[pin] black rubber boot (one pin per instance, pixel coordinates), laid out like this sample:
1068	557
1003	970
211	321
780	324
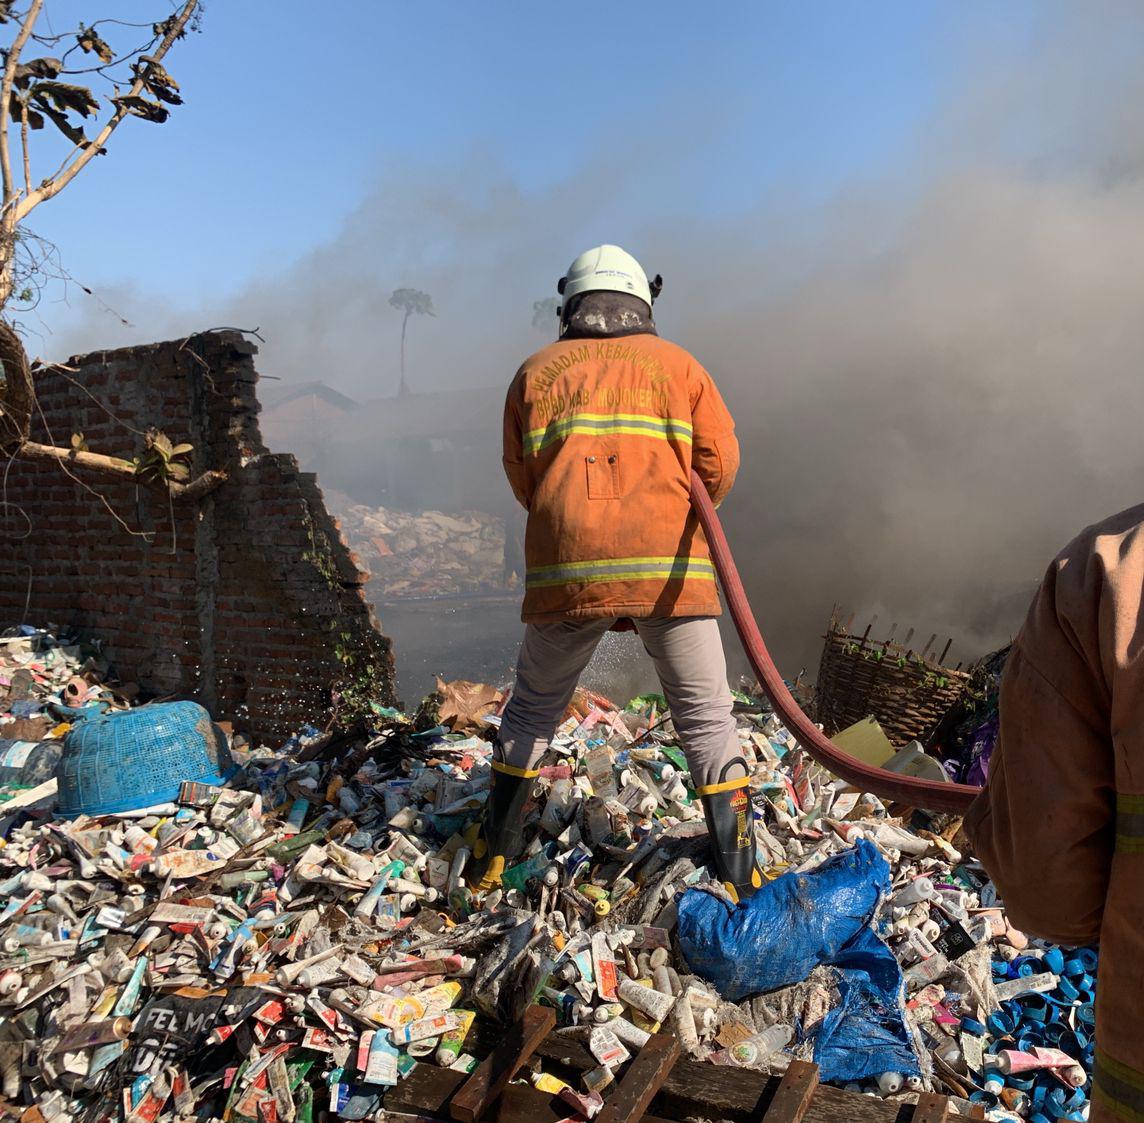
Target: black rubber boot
502	833
727	809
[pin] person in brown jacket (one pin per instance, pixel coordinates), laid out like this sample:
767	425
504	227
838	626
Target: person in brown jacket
601	432
1060	824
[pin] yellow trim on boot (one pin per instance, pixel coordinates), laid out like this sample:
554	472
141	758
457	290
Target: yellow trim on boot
756	884
726	786
492	874
508	770
474	838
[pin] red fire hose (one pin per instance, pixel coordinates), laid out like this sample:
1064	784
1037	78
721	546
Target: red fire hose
930	794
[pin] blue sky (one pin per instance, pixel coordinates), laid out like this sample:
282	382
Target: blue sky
294	113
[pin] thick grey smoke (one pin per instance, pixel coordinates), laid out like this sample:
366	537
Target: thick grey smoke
936	376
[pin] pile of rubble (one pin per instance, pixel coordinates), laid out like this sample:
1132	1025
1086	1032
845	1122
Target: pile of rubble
424	555
45	682
303	937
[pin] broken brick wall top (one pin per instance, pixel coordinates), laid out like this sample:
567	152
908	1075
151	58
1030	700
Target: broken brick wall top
248	599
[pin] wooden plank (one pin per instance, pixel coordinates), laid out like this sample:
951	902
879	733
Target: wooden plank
643	1079
521	1104
931	1109
426	1091
695	1089
794	1093
502	1064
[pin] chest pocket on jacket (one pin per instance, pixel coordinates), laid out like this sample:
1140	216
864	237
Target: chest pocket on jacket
603	476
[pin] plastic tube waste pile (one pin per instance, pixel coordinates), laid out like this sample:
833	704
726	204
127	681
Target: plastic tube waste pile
301	938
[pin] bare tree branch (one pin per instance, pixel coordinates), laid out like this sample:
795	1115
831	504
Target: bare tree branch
12	62
66	160
103	68
198	487
114	466
93	461
24	146
52	40
53	186
87	487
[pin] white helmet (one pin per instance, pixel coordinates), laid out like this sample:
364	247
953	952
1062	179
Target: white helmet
611	269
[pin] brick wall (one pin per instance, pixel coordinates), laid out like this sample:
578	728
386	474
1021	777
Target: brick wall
247	600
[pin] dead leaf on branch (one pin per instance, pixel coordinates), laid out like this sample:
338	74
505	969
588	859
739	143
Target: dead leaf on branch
141	107
37	68
157	81
157	72
91	43
66	97
164	95
75	134
56	99
160	29
19	108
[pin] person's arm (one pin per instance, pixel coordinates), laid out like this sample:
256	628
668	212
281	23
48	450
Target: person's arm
714	449
1044	827
512	456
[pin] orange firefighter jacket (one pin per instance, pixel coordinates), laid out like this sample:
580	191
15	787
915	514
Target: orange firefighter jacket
1060	826
600	437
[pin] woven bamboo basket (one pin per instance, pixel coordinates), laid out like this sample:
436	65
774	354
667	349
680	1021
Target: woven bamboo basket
906	689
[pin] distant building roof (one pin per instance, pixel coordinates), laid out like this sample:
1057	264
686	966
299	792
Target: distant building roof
272	395
437	414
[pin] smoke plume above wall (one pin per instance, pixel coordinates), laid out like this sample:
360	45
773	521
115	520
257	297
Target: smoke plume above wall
935	373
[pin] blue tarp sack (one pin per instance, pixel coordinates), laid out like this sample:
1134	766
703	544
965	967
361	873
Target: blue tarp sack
798	922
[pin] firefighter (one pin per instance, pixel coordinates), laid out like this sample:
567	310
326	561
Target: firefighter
1060	825
601	432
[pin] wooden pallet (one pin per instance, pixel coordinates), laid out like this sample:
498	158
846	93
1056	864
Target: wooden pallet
659	1086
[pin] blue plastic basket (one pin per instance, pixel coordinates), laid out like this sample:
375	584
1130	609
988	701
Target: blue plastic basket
136	758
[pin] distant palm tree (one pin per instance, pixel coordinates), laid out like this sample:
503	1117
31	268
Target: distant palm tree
544	312
409	301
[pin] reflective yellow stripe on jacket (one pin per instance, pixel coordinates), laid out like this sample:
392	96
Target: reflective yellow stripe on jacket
608	424
1130	824
620	569
1118	1088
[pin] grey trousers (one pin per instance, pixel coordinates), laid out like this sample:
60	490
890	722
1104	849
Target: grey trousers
687	653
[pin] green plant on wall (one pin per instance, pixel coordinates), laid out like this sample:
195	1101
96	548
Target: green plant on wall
361	679
319	555
361	684
161	460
